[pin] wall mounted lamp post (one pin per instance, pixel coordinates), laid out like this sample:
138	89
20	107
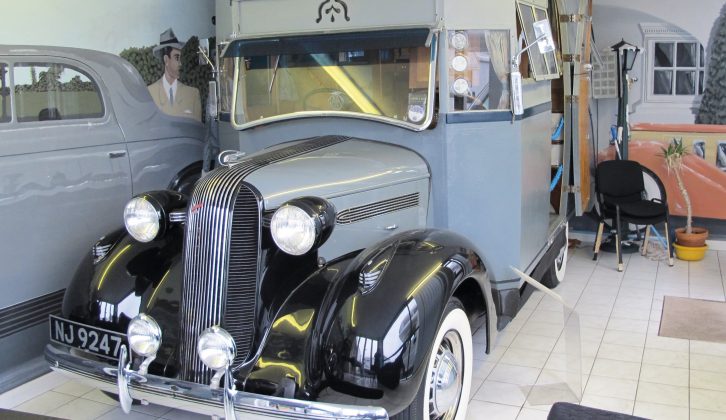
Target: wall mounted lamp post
627	53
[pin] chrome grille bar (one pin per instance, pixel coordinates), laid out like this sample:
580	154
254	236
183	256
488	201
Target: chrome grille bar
207	257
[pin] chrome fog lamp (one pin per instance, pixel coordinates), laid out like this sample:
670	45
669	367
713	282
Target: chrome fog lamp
216	348
144	336
302	224
142	218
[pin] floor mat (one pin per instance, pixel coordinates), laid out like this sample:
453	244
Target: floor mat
693	319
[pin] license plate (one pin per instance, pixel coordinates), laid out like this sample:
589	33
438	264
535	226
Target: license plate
95	340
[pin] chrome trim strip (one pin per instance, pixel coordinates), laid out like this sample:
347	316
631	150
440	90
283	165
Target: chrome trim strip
179	216
356	115
200	398
367	211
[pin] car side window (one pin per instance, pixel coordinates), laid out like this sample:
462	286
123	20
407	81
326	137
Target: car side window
52	91
5	114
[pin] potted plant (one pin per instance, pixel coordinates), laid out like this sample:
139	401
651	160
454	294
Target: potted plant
690	241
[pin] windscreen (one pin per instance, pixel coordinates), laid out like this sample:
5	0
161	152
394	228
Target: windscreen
354	78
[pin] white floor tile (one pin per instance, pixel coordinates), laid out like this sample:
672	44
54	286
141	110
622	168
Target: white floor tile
611	387
518	375
532	414
118	414
708	363
73	388
715	381
81	409
486	410
659	411
188	415
32	389
705	415
676	359
664	375
616	369
606	403
620	352
482	369
44	403
502	393
524	357
708	348
708	400
662	394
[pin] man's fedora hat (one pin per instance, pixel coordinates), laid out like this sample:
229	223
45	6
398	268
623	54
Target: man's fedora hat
167	39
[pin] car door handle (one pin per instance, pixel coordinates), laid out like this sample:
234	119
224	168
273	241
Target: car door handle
114	155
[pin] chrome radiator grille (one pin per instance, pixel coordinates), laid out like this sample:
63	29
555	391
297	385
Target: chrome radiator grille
239	315
221	249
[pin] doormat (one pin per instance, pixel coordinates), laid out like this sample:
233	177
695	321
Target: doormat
693	319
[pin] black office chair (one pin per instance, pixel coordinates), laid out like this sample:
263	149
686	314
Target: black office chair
620	190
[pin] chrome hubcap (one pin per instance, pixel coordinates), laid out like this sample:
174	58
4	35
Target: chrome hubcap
446	378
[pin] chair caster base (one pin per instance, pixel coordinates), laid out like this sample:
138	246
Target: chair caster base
620	267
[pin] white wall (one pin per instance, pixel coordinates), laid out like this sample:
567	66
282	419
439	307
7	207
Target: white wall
104	25
614	20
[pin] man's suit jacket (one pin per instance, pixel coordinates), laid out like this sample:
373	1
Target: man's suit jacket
186	101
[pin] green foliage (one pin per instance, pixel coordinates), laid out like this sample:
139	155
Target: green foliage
144	62
713	103
674	154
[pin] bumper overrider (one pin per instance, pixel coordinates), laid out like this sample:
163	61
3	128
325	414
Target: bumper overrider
195	397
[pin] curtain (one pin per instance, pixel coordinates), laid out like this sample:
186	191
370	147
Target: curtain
498	46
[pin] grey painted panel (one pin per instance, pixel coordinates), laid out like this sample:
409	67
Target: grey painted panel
308	16
155	163
48	198
536	144
359	235
21	347
483	191
358	166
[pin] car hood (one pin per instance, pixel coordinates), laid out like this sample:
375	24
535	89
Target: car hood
348	167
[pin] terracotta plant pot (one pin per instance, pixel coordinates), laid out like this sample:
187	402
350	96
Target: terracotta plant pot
697	238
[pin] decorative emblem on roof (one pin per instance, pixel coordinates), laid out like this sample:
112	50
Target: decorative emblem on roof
332	8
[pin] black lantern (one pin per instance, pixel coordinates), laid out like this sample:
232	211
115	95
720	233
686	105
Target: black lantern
627	53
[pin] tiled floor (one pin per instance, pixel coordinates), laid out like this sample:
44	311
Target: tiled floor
626	366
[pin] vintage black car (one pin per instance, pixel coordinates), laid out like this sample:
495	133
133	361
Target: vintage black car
336	265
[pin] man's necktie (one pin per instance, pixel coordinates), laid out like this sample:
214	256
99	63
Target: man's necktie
171	95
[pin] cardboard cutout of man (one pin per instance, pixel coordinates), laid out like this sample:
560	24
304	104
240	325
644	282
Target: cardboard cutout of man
170	95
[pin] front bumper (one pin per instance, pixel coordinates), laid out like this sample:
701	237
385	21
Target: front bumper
200	398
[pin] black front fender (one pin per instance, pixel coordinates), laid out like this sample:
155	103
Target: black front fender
371	345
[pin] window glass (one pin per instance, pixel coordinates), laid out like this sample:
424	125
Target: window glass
5	114
663	54
478	60
686	54
662	83
677	68
685	83
46	91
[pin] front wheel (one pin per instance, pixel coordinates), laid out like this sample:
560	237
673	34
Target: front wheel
444	392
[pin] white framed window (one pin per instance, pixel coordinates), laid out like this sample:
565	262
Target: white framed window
674	65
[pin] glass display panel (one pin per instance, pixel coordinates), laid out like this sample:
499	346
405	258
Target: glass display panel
543	66
45	91
485	76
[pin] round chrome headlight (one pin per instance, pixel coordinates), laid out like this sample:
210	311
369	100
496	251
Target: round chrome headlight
302	224
144	335
216	348
142	219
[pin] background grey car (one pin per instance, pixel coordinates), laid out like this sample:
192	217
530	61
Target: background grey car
79	136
